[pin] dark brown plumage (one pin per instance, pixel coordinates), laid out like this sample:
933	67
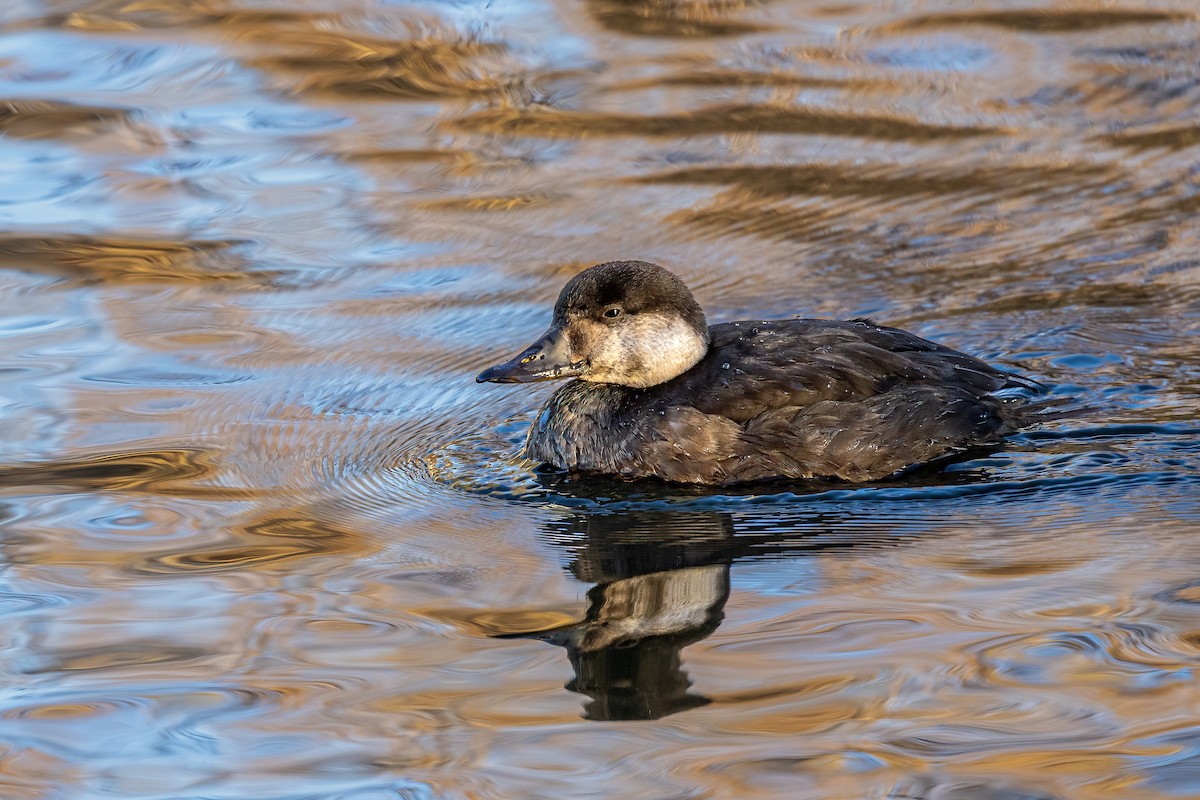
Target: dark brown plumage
747	401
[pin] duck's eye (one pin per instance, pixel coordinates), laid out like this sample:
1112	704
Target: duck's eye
612	313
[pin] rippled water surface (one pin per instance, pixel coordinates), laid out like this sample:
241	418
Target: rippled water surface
263	537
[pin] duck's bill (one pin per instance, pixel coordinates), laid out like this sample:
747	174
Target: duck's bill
547	359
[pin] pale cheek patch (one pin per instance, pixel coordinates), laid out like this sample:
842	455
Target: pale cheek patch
645	350
669	347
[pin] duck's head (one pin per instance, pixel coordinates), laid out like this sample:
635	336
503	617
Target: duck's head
631	323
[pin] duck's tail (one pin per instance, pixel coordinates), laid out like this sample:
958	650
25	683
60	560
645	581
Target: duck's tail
1022	412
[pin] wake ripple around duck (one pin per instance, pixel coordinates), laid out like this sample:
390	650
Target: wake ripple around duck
1039	465
402	449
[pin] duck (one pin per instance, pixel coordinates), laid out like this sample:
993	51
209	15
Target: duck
657	392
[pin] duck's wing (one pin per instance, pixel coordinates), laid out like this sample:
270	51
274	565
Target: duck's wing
806	398
868	439
753	367
949	365
855	440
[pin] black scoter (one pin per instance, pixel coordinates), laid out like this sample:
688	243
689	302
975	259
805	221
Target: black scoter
659	392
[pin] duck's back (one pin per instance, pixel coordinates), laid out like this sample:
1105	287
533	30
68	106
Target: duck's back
787	398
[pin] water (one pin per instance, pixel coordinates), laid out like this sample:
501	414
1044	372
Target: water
263	537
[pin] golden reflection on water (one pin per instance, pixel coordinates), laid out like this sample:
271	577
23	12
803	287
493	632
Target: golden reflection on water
259	544
263	536
114	260
727	119
43	119
687	18
133	471
413	69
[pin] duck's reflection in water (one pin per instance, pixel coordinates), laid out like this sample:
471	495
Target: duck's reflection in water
662	580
